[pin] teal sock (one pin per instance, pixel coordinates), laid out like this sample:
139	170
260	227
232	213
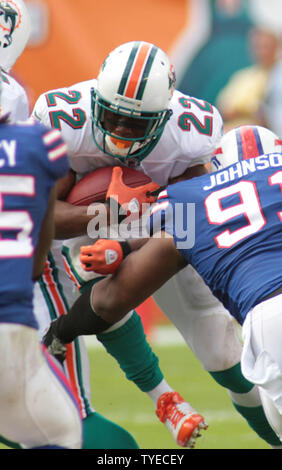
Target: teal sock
101	433
257	421
233	380
129	346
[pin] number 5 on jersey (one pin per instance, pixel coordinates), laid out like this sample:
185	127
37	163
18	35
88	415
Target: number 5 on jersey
17	222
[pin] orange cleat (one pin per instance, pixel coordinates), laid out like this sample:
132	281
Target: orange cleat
180	418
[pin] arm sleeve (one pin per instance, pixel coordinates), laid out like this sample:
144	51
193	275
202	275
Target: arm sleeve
40	112
161	217
176	218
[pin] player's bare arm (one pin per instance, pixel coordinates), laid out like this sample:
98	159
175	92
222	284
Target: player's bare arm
189	173
70	221
45	238
140	275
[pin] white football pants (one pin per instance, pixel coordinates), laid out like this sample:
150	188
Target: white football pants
36	406
262	356
206	326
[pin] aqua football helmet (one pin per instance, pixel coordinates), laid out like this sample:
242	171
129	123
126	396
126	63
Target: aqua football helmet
242	143
134	88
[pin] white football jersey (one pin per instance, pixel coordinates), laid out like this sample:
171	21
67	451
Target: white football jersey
189	137
13	99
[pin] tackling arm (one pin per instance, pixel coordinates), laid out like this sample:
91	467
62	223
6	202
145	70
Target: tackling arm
139	276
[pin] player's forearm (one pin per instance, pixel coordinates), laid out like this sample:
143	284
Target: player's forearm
73	221
45	238
136	244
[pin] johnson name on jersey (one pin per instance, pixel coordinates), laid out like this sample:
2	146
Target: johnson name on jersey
234	217
189	137
32	159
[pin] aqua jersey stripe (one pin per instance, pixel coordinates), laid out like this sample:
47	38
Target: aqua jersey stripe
54	270
87	406
83	397
53	311
46	295
67	257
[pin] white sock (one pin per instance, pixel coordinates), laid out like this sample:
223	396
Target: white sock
249	399
155	394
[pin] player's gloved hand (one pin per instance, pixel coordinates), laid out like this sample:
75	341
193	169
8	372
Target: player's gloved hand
104	256
130	199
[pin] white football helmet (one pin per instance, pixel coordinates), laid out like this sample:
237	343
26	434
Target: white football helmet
15	29
242	143
136	81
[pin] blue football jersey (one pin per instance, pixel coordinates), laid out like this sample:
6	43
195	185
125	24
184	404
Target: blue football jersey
228	226
32	159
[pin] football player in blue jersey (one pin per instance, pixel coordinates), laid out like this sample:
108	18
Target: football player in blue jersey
227	225
37	406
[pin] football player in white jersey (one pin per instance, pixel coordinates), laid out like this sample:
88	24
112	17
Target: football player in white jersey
15	101
131	115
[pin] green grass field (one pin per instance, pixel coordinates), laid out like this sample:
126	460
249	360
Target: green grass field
121	401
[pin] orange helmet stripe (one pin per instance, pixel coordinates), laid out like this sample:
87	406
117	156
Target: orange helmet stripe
136	73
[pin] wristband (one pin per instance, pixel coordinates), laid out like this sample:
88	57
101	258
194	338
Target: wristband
126	249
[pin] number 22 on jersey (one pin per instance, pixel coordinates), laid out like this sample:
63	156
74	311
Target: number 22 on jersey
188	118
78	117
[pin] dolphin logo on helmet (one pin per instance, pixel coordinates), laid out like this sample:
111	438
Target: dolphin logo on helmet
9	18
15	30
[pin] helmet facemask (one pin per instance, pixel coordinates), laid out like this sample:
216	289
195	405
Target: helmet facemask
150	125
130	105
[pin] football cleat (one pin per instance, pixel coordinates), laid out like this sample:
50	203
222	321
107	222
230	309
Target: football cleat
180	418
54	346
